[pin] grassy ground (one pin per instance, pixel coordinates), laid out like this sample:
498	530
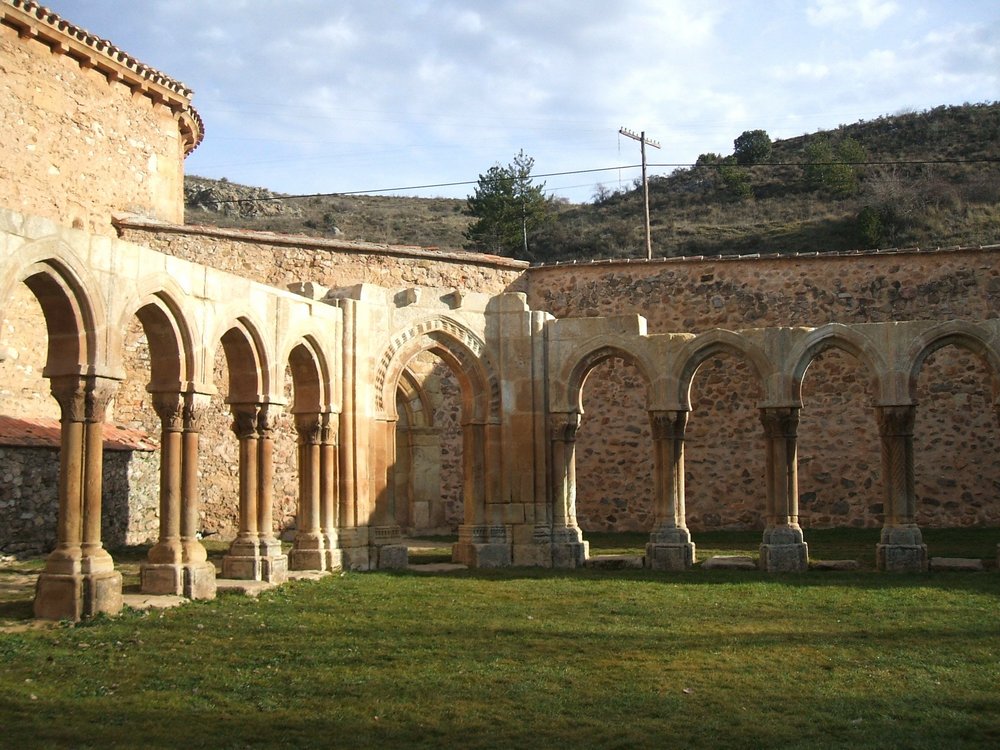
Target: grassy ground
528	658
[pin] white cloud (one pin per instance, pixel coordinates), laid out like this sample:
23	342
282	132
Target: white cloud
870	14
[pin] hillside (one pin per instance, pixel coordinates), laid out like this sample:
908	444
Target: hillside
925	179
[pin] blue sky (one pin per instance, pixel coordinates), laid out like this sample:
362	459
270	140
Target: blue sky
307	96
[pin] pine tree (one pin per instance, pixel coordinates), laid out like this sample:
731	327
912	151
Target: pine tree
507	206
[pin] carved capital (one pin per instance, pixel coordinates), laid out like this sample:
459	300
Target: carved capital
244	424
195	408
780	421
267	419
309	428
563	427
330	428
170	408
83	399
668	425
896	421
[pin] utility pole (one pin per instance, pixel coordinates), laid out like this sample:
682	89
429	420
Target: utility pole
643	142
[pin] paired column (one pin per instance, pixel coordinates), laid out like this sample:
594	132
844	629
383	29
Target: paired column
901	547
255	554
309	550
783	548
670	546
178	563
79	579
568	548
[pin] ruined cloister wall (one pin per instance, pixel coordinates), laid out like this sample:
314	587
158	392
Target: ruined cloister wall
281	260
86	133
956	437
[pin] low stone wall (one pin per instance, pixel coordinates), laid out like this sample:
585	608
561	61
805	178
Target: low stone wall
29	482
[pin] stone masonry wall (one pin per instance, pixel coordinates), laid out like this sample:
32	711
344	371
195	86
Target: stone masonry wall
281	260
77	148
957	442
29	485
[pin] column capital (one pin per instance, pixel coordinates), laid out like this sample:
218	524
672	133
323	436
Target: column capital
329	428
896	420
668	425
563	426
83	398
309	427
780	421
170	409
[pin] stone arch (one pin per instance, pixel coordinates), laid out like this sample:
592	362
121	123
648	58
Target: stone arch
838	336
74	312
463	352
465	355
157	302
579	366
953	333
311	382
696	351
415	401
247	360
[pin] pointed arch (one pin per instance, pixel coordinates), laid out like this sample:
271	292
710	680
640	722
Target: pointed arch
464	353
580	364
310	377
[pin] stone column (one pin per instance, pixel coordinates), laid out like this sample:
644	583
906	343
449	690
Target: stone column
79	579
670	546
901	548
309	549
329	489
255	554
568	548
783	548
199	573
162	572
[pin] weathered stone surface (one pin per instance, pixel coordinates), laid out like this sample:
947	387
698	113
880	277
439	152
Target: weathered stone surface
957	564
729	562
834	565
614	562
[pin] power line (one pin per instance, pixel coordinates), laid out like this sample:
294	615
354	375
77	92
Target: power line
675	165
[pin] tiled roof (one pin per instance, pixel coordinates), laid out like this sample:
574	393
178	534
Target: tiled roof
35	21
44	433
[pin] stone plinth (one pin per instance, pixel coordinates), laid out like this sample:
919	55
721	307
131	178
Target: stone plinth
77	596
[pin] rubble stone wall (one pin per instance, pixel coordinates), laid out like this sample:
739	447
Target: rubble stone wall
29	499
280	260
957	442
77	148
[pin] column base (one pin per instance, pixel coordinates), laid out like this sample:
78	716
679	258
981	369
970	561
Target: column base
901	549
354	552
334	559
161	578
247	562
77	596
570	554
902	558
784	558
199	580
669	556
307	553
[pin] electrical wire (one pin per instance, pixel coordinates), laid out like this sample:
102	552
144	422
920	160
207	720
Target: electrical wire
675	165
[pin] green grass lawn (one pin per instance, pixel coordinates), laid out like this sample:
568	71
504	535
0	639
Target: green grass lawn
528	658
